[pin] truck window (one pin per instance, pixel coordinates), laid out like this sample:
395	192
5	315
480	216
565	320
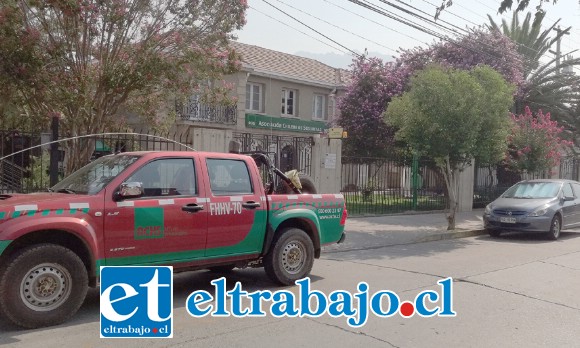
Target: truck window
167	177
229	177
93	177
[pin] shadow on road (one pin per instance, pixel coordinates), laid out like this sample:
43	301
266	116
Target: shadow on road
184	284
531	238
399	251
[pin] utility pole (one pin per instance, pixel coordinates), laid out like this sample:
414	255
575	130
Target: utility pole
558	52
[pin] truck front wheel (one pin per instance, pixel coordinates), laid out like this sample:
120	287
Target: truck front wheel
42	285
290	258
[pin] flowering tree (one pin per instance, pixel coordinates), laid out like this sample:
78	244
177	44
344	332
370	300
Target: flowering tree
92	62
454	116
374	83
534	143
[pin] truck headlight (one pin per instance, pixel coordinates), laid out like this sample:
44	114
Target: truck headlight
539	212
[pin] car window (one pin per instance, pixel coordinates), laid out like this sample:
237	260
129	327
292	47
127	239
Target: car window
229	177
567	190
576	188
530	190
167	177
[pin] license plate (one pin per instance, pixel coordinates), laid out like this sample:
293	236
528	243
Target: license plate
509	220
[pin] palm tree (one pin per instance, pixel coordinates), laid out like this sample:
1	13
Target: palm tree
548	86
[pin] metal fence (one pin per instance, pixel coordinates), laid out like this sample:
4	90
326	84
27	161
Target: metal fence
286	152
491	181
391	185
196	110
30	170
23	171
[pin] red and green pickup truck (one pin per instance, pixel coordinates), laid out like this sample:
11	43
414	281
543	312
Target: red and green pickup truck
192	210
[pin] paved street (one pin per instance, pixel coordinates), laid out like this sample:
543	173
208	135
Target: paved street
514	291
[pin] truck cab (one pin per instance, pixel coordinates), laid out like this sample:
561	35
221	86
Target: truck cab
191	210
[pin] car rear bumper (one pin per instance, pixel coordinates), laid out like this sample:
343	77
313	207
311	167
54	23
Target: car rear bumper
523	223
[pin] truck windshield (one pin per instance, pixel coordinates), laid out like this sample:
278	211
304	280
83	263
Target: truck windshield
93	177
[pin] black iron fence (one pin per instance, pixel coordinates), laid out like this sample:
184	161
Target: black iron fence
286	152
26	167
391	185
196	110
491	181
23	171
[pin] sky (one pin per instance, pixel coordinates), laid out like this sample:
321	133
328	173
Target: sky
356	28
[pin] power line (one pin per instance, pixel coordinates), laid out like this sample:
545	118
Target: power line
480	16
298	30
375	22
311	28
384	12
517	43
425	19
336	26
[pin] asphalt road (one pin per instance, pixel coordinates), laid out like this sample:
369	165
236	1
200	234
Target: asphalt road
519	291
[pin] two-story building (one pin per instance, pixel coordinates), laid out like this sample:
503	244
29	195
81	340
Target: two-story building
284	103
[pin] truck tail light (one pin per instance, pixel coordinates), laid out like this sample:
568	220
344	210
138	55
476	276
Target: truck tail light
344	215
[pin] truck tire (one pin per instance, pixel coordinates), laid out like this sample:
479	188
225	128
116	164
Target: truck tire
291	256
305	180
42	285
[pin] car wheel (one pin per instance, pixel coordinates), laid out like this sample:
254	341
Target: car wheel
42	285
493	233
290	258
555	228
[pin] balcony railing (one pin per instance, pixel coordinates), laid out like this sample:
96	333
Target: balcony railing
195	110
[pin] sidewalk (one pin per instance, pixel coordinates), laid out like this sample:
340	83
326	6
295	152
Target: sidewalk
380	231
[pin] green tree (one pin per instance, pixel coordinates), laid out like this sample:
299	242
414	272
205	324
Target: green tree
454	116
547	87
93	62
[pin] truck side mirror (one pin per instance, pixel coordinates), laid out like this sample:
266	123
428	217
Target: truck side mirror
130	190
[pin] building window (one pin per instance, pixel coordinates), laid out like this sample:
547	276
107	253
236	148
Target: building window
318	107
288	102
254	97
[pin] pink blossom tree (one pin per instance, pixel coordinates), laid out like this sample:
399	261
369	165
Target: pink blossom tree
374	83
94	62
534	143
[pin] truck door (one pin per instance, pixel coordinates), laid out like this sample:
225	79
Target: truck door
168	223
237	213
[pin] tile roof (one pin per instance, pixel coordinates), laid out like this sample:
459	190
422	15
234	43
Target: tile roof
263	60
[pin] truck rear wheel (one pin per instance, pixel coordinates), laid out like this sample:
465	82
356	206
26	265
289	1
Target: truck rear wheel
290	258
42	285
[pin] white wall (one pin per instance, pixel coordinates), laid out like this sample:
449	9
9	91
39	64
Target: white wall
327	180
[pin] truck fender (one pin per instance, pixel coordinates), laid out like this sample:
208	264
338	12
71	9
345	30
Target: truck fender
305	215
79	227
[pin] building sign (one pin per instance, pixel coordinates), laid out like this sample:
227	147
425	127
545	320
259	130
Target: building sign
284	124
335	133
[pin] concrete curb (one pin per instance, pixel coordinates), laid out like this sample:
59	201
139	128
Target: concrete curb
452	235
431	238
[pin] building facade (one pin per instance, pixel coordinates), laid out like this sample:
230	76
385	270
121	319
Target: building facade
285	104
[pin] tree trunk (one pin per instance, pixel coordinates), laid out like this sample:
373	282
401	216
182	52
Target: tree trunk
77	154
451	176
